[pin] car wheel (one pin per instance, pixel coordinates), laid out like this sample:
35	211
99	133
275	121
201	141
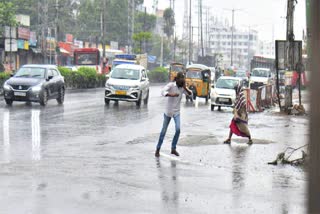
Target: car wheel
145	101
138	103
207	98
106	101
219	108
60	98
8	102
44	98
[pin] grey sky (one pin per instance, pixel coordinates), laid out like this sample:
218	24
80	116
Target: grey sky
263	15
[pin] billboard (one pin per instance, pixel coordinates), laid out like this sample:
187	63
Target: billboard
11	45
23	33
287	58
8	34
23	20
33	39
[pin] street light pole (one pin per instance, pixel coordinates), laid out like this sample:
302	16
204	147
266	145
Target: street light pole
190	31
232	32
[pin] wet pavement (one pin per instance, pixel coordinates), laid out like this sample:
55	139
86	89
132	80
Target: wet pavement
85	157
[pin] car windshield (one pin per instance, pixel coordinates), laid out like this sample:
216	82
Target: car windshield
31	72
177	68
125	73
87	59
227	83
194	74
241	74
260	73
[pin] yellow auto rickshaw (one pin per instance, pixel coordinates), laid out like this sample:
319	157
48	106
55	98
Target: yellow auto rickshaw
198	80
174	69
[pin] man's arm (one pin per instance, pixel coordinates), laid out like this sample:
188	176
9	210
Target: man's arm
166	89
187	90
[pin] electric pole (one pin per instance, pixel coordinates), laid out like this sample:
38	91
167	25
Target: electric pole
56	31
201	29
103	34
314	146
190	31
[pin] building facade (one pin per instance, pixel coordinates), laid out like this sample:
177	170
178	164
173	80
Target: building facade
245	45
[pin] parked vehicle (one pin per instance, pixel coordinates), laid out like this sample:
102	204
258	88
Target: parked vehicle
134	59
243	75
35	83
198	79
127	83
89	57
260	77
223	92
174	69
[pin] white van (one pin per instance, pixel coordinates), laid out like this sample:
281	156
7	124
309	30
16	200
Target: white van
260	77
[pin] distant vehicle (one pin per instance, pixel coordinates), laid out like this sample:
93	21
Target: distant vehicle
198	79
133	59
174	69
223	93
127	83
260	77
243	75
89	57
35	83
263	62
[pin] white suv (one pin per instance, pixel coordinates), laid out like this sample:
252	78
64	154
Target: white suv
223	93
129	83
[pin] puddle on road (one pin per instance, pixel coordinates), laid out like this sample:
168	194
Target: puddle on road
195	140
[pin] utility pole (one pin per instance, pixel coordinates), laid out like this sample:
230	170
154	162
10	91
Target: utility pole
56	31
131	11
314	146
232	32
201	30
190	31
290	39
103	34
144	29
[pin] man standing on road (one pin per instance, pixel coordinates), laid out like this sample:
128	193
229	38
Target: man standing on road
173	91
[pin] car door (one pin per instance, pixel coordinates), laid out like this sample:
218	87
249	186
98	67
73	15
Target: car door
50	83
144	83
57	81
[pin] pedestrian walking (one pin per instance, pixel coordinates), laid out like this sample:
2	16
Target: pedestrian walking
173	91
239	122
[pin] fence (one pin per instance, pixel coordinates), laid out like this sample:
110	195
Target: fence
260	99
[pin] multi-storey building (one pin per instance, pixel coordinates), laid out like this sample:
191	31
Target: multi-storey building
245	45
267	49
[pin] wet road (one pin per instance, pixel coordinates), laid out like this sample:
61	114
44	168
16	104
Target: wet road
84	157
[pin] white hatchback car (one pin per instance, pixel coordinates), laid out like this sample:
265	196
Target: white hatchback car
129	83
223	93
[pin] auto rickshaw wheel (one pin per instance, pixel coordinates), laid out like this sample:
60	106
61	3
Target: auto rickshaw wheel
212	107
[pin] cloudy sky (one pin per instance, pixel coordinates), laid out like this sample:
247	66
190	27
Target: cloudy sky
263	15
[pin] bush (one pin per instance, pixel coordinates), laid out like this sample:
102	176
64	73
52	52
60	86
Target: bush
3	77
159	75
83	78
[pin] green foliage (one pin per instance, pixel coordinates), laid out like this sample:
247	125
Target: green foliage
169	22
83	78
7	14
158	75
3	77
156	49
139	38
144	22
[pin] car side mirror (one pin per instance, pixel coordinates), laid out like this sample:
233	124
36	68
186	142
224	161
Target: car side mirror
50	77
212	86
11	75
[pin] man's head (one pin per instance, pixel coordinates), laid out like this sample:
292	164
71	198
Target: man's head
180	79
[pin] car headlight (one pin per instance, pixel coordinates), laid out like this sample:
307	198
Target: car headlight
108	85
6	86
37	88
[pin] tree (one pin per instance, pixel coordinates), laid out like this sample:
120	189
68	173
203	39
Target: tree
156	48
7	14
139	38
169	22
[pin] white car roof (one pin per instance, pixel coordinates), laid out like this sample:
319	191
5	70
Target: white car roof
130	66
230	78
263	69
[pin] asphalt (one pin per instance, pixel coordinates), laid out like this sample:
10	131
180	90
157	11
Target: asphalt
85	157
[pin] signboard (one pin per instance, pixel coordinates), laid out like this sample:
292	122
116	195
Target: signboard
13	33
12	43
33	39
69	38
114	45
287	58
23	33
78	43
51	44
23	44
24	20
